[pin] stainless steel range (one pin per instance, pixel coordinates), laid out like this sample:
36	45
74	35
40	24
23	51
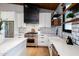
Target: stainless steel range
32	38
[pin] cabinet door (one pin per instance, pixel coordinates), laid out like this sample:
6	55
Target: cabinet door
41	19
8	15
45	19
42	41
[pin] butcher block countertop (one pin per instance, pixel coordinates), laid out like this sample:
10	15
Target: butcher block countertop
62	48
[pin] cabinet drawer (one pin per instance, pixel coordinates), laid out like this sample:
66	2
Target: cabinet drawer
42	40
43	43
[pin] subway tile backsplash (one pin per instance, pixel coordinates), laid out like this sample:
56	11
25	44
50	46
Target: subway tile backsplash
75	33
51	31
47	30
77	42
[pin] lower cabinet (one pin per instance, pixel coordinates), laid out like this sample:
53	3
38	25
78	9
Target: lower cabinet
42	40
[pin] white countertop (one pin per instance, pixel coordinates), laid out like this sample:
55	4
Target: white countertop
63	48
9	44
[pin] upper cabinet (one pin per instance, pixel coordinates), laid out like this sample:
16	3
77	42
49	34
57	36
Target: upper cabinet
8	15
45	19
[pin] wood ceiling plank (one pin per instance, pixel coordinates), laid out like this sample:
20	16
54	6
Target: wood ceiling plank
50	6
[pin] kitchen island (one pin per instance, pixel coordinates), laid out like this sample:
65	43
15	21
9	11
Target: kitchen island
13	47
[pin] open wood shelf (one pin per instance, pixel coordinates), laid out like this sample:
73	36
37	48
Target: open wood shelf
73	21
76	21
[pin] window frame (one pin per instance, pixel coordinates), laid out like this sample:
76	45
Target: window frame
63	26
64	30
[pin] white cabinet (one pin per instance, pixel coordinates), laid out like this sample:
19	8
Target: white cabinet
45	19
42	40
13	47
8	15
20	19
17	51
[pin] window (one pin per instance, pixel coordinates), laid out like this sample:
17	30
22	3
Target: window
67	27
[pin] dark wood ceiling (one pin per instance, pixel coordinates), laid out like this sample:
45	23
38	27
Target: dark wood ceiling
50	6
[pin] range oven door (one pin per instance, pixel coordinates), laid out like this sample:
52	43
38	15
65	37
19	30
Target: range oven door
31	42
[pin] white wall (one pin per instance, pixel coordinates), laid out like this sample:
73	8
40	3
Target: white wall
44	19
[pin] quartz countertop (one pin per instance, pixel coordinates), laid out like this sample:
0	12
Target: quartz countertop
9	44
63	48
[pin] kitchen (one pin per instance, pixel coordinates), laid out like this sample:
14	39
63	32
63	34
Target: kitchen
43	27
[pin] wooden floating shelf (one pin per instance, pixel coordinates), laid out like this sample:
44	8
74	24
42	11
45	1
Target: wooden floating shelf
76	21
73	21
72	7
